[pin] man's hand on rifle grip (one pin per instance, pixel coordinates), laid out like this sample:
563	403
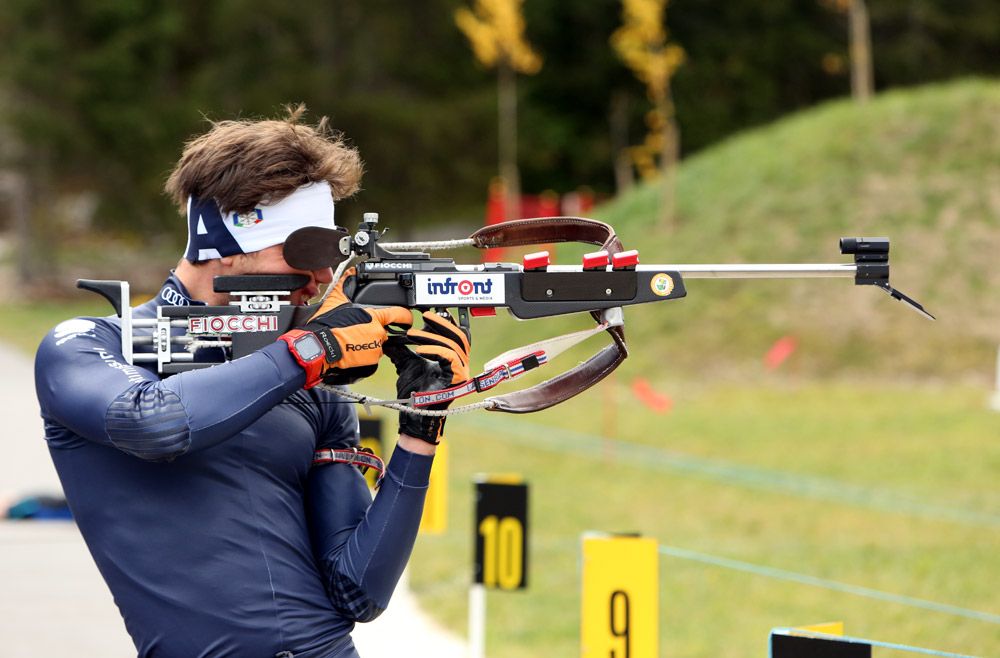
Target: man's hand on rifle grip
439	359
342	343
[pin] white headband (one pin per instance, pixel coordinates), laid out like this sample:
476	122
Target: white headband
212	234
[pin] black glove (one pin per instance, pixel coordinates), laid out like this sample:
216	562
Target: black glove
439	360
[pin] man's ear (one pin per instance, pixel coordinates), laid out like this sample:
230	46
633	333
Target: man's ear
227	261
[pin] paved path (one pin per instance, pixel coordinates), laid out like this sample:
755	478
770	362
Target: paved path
53	601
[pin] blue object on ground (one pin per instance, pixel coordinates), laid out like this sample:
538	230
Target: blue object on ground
40	507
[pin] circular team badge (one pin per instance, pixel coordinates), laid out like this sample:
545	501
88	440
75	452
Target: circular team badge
662	285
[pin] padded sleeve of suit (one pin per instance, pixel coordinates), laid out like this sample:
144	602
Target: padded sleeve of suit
362	545
84	383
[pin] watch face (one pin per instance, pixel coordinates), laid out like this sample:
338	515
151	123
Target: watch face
308	347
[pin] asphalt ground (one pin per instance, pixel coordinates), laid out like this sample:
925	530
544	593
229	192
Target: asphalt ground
53	601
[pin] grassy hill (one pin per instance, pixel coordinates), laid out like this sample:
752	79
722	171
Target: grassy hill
921	166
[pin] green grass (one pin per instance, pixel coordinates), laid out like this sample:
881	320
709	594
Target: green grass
893	489
23	325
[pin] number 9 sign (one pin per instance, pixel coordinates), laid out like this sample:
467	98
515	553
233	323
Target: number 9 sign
620	603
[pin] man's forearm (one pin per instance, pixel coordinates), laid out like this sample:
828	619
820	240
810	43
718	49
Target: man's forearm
417	446
86	385
364	554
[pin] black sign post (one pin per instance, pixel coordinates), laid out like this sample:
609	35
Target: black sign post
501	541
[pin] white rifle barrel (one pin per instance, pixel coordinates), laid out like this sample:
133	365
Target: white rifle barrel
716	271
739	271
761	271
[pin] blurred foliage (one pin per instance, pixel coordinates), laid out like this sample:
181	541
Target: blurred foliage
102	93
495	29
641	42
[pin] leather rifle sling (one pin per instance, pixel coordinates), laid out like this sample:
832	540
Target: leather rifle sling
547	230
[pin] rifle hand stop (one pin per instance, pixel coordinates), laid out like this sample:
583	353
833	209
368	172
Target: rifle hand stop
871	256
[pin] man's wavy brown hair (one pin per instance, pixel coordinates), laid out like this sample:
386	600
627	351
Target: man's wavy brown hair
242	163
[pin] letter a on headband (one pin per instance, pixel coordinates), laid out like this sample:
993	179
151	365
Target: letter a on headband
214	232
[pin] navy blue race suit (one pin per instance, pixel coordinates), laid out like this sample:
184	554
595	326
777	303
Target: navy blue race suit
196	497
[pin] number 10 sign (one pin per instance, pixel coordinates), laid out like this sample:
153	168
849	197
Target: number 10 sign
501	533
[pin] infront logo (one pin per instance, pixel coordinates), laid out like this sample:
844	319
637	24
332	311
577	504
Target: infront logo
463	286
459	289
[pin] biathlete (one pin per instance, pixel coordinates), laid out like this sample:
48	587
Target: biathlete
197	494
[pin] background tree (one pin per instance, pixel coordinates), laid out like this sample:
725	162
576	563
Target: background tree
641	42
860	46
100	96
495	28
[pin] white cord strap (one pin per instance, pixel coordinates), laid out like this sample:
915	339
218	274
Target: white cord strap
548	348
484	382
435	245
403	405
507	366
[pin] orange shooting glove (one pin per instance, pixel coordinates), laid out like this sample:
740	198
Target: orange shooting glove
342	343
439	360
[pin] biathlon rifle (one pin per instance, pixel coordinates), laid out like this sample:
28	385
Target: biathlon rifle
405	274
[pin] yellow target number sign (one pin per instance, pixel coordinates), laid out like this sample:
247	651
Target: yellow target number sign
371	437
620	602
434	519
501	541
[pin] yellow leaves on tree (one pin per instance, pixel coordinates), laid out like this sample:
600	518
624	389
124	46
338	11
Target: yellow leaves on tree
495	29
641	42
